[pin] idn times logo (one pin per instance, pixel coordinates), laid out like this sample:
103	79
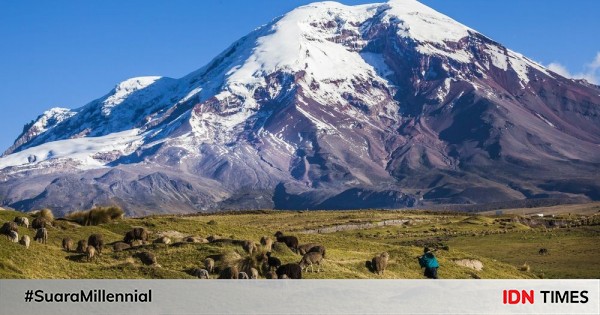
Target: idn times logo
548	296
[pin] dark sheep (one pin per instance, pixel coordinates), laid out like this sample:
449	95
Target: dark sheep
243	275
305	248
200	273
290	241
82	246
229	273
318	249
8	227
120	246
543	251
97	241
39	223
136	234
273	262
311	259
147	258
41	235
292	271
67	244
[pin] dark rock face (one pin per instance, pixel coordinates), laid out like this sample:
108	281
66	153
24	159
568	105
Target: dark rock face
456	121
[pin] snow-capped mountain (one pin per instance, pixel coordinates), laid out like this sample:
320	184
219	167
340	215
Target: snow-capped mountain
327	107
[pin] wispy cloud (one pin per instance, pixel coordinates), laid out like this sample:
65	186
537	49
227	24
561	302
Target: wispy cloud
591	71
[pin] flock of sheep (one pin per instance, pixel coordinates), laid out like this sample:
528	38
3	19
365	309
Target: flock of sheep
260	262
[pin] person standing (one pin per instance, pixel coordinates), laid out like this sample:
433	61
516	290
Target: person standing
429	262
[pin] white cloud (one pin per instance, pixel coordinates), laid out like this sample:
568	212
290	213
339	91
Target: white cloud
591	71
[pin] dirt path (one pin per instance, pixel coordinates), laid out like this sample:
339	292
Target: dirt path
356	226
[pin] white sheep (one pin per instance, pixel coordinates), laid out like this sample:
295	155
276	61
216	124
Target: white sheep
25	241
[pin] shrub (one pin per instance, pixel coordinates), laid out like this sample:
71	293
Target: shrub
44	213
97	215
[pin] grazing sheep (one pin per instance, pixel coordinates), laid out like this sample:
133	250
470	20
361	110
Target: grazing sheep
290	241
291	271
81	246
163	240
147	258
25	241
543	251
120	246
39	223
379	263
311	259
318	249
305	248
8	227
243	275
41	235
97	241
67	244
273	262
13	236
90	252
136	234
22	221
200	273
267	243
271	275
209	264
253	273
249	247
229	273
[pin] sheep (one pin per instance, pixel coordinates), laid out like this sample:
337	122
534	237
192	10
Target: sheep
25	241
209	264
305	248
82	246
290	241
273	262
253	273
163	240
120	246
67	244
249	247
267	243
243	275
41	235
39	223
22	221
8	227
310	259
97	241
13	236
90	252
200	273
318	249
291	271
229	273
379	263
136	234
271	275
147	258
543	251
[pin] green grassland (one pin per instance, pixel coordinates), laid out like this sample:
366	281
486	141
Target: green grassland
503	246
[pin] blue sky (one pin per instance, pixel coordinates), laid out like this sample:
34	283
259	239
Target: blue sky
67	53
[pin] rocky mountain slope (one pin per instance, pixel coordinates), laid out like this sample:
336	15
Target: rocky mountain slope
327	107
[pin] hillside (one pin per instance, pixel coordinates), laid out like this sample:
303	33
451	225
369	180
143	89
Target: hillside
502	244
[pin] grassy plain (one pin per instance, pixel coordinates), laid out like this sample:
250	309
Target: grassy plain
502	244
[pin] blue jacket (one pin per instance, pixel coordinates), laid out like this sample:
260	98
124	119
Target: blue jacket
428	261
